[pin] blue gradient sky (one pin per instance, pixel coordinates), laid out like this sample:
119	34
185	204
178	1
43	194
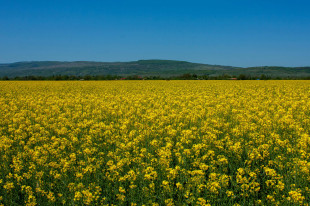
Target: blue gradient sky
226	32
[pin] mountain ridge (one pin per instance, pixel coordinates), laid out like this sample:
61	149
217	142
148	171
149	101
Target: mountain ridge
151	67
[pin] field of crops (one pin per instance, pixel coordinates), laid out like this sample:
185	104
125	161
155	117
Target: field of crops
155	143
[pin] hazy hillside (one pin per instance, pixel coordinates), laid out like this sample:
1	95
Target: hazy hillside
162	68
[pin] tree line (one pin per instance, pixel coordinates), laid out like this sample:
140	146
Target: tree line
137	77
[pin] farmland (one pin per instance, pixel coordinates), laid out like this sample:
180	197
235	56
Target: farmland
155	143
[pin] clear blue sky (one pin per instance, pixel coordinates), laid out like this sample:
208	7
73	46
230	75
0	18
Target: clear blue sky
226	32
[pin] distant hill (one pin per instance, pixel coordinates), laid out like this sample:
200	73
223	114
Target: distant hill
164	68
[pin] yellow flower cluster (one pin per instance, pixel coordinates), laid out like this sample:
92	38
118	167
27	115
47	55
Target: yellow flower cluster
155	143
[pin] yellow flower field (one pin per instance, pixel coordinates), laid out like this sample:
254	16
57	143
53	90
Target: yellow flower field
155	143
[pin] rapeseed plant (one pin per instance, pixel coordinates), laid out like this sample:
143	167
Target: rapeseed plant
155	143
